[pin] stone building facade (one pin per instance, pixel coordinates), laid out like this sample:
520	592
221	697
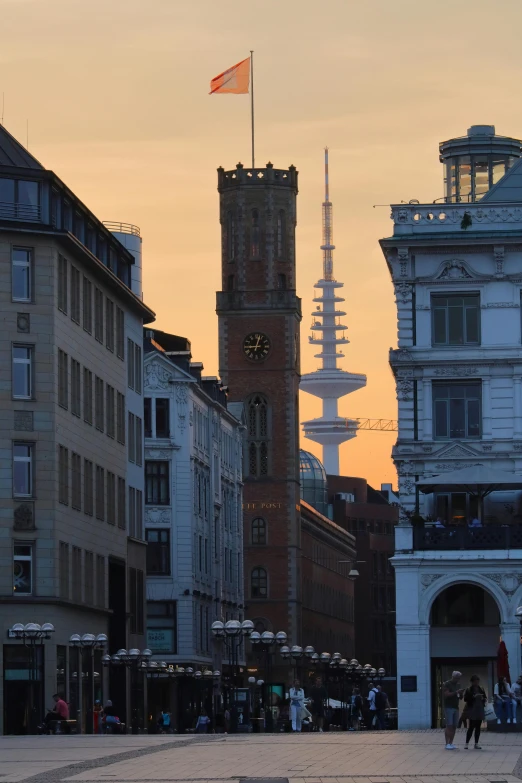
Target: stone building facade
455	268
70	383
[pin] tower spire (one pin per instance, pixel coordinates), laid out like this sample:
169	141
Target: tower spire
329	382
327	247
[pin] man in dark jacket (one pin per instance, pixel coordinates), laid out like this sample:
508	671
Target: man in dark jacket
318	696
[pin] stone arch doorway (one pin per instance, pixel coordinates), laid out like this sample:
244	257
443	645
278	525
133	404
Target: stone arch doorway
465	629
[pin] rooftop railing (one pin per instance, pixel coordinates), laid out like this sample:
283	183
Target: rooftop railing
455	218
11	211
122	228
493	536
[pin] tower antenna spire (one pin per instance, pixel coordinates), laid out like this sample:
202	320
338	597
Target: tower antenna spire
327	247
329	382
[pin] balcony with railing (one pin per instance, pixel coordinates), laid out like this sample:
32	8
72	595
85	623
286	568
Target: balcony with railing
492	536
464	219
26	212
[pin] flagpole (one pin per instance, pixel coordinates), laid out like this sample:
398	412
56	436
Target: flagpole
252	105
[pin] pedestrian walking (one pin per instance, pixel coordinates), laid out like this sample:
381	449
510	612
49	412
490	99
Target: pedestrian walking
504	698
318	696
296	705
355	706
98	717
451	695
203	722
378	705
475	700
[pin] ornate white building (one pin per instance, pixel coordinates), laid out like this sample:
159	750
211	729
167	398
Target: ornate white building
193	503
456	267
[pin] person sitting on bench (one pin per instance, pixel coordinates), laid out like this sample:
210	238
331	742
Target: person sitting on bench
59	713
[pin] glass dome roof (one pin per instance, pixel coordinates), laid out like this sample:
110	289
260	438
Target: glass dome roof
313	482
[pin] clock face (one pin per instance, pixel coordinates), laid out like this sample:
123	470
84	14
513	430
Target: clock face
256	346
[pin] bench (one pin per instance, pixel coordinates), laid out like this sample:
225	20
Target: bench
68	726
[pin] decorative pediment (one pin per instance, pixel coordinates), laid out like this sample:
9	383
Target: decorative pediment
454	269
160	373
456	451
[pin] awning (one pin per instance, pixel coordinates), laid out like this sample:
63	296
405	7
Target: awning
478	480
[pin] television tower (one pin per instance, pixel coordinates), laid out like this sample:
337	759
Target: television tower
329	382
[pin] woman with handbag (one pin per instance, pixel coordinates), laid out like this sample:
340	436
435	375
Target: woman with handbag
475	700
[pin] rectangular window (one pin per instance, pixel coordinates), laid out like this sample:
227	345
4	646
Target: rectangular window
130	363
158	552
131	430
139	442
98	404
162	418
63	475
75	295
22	470
63	379
457	409
89	578
120	418
100	493
111	498
76	382
22	372
455	319
122	520
147	412
64	570
98	315
21	275
22	568
140	601
88	487
100	580
120	333
133	589
87	395
161	626
77	574
87	305
132	512
137	369
110	402
62	284
76	481
139	514
157	484
109	324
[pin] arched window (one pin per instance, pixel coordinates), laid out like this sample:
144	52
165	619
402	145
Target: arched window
259	583
281	235
255	234
231	237
258	436
259	531
281	282
230	283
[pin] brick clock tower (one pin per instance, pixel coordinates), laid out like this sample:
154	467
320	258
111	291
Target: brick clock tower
259	315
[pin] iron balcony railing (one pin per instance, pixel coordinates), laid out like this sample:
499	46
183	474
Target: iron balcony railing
10	211
487	537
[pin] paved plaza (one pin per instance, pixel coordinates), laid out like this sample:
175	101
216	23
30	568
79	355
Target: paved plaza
359	757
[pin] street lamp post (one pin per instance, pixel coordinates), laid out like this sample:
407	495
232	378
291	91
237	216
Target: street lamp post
263	645
231	634
135	661
90	642
33	636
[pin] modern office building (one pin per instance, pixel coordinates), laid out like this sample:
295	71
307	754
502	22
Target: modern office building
193	510
71	442
456	268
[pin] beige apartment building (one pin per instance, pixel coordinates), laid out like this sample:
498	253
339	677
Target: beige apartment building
71	444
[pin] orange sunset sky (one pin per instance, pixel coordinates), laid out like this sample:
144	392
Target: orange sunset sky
116	94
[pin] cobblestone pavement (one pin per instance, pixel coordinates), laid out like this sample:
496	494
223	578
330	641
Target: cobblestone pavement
358	757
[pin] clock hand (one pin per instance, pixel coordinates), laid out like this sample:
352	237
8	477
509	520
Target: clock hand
258	341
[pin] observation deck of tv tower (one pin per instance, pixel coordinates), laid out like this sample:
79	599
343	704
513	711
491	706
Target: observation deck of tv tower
330	382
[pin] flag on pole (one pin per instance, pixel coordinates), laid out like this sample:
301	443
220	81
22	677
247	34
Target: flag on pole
234	80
